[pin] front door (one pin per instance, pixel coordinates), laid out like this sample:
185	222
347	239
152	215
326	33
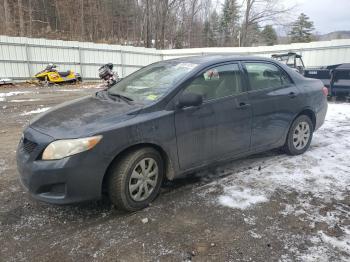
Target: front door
221	126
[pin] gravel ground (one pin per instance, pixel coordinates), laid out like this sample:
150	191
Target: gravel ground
268	207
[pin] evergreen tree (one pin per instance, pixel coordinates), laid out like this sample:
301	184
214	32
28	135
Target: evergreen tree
302	29
269	35
229	23
215	28
207	33
211	30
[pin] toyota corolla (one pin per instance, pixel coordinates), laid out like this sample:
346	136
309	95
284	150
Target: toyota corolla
164	121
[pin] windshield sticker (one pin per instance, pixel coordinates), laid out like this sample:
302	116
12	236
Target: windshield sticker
211	74
189	66
152	97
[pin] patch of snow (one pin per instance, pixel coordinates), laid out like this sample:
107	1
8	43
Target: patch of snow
69	90
14	93
2	166
241	198
322	171
341	243
255	235
144	220
24	100
318	252
320	175
250	220
36	111
94	86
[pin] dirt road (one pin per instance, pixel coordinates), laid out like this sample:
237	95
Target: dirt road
269	207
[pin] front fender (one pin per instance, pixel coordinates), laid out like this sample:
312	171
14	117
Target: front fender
154	129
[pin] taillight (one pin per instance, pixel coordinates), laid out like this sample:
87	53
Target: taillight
325	91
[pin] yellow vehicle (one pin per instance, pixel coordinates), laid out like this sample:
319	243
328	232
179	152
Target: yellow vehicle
51	76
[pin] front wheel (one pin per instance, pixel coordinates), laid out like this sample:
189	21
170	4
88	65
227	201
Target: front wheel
299	136
135	179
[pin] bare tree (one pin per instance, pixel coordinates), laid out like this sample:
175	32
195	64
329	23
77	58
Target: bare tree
258	11
150	23
21	18
7	16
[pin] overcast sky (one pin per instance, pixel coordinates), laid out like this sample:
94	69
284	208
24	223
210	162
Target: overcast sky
327	15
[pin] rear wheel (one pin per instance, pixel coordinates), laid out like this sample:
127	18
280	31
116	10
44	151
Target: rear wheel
299	136
135	179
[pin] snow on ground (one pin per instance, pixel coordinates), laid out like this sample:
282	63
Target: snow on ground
238	197
2	166
69	90
323	172
7	94
36	111
24	100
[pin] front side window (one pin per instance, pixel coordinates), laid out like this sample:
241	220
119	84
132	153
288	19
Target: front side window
264	75
153	81
217	82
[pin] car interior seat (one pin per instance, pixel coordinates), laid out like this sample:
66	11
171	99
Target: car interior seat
230	85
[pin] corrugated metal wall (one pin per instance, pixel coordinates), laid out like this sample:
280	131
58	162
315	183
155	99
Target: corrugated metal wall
21	58
314	54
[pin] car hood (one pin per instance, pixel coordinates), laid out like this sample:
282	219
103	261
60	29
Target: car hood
83	117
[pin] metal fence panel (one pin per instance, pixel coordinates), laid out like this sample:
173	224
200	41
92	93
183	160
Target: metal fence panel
21	57
321	53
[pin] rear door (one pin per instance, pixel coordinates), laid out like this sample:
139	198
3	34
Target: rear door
275	101
221	126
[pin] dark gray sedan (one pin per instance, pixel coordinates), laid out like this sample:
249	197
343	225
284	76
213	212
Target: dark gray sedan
164	121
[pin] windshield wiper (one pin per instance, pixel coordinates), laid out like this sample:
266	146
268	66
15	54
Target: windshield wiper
122	97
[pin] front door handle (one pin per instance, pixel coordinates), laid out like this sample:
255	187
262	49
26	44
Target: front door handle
243	105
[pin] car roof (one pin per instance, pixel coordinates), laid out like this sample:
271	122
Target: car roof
217	58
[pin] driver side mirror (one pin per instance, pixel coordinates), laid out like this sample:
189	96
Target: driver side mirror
189	99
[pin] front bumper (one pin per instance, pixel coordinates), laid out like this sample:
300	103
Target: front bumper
73	179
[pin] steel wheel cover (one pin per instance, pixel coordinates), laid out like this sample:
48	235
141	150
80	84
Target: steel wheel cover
301	135
143	179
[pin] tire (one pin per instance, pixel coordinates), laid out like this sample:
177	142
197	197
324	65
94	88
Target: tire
299	136
129	176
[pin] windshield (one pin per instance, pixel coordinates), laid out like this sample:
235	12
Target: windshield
151	82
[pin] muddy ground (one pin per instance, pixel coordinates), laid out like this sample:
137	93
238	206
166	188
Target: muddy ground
201	218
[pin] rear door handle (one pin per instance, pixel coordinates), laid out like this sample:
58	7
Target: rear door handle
292	94
243	105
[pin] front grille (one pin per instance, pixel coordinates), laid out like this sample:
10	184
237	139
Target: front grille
28	146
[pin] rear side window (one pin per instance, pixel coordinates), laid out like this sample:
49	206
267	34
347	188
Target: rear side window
264	75
217	82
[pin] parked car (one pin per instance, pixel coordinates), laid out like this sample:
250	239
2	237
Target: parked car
164	121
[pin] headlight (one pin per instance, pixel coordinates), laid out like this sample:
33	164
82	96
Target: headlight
63	148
